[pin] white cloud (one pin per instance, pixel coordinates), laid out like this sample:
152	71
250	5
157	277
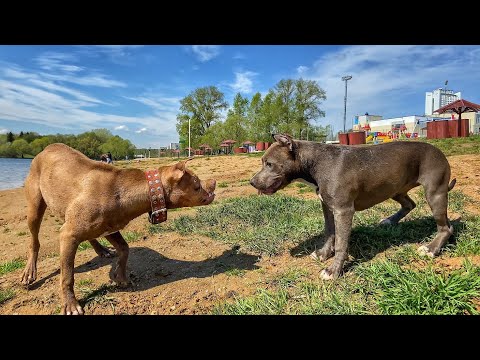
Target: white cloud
390	80
3	131
206	52
121	127
302	69
141	130
99	80
56	61
243	82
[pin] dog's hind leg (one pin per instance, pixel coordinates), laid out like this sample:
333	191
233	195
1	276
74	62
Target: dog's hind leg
437	198
119	274
407	205
101	250
328	249
36	209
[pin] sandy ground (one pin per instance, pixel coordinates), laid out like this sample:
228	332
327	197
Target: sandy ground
170	274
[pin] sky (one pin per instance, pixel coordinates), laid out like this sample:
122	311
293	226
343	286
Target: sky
135	91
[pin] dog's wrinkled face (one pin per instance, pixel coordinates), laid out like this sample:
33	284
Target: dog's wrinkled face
186	189
278	166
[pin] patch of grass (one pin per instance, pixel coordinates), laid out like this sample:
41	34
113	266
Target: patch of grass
223	184
456	146
289	278
132	236
10	266
6	230
300	185
86	244
467	236
399	290
263	224
22	233
308	189
235	272
256	154
457	201
84	282
6	294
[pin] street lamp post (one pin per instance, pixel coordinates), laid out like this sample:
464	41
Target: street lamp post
188	137
345	78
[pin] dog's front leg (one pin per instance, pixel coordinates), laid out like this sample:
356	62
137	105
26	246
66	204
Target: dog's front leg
328	249
343	226
68	248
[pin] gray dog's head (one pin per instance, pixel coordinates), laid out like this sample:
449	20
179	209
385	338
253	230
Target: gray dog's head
279	166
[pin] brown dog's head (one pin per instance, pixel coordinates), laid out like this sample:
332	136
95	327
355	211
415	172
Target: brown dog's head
185	189
278	166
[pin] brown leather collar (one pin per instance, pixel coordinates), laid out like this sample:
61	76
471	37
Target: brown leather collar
156	195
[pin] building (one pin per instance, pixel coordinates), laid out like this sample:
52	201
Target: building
440	97
174	146
360	121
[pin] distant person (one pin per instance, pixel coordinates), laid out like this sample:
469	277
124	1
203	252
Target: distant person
109	158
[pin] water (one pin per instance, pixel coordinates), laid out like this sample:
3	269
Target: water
13	172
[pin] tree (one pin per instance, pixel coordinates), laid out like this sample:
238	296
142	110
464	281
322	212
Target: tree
88	144
203	107
39	144
20	147
102	134
10	137
118	147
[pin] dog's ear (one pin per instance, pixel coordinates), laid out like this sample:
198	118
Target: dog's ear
284	140
181	166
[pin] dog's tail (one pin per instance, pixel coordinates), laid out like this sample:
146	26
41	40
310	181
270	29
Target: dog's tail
452	184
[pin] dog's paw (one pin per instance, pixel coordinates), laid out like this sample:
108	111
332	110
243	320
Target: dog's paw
326	275
29	275
425	251
106	253
72	307
386	221
314	255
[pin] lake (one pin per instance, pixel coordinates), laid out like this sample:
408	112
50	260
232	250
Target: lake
13	172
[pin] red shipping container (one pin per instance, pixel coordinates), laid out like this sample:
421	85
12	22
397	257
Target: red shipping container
260	146
356	138
343	138
431	130
442	129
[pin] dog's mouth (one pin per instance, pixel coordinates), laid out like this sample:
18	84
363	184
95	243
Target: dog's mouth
272	188
209	198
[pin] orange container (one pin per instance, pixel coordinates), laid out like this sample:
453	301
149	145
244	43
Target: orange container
260	146
442	129
343	138
267	145
356	138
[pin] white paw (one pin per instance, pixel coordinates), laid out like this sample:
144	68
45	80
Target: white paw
423	251
314	255
385	222
325	275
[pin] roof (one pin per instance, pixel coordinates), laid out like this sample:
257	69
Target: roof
459	106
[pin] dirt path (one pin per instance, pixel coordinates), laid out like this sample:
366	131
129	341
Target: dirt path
171	274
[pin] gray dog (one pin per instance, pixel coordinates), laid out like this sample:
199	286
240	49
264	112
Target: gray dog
354	178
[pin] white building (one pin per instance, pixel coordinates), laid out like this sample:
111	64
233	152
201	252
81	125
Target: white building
440	97
174	146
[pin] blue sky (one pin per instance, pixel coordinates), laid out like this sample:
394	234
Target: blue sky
134	91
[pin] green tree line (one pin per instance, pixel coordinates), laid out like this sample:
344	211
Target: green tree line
292	106
92	144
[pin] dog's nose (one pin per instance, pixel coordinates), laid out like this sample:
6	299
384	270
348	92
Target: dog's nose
251	182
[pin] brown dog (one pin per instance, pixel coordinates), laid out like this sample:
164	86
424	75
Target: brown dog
96	199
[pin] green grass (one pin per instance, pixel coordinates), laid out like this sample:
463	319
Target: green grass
456	146
98	296
22	233
399	290
467	235
263	224
10	266
381	287
235	272
5	295
223	184
129	236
